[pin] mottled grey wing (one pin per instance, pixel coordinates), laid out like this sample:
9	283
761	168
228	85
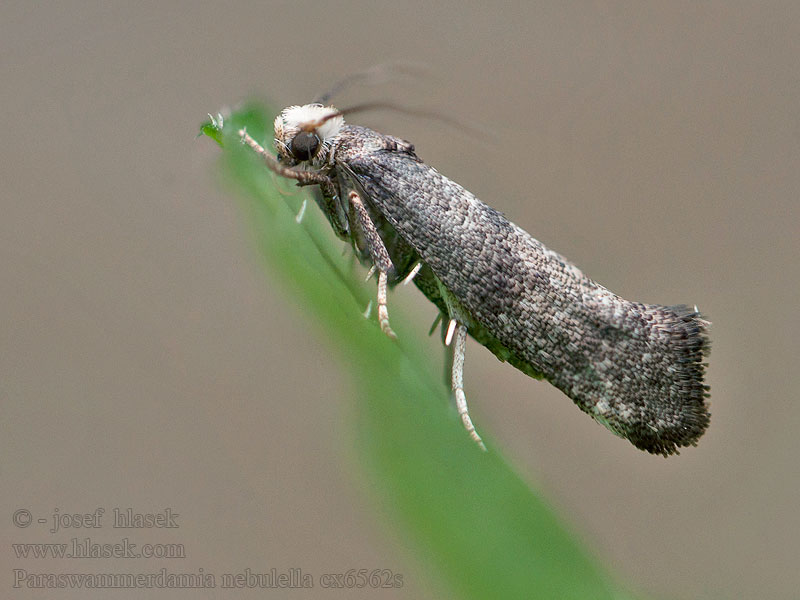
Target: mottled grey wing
636	368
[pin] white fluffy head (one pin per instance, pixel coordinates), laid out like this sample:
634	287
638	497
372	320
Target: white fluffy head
323	121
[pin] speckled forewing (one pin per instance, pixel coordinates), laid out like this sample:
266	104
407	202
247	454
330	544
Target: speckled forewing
636	368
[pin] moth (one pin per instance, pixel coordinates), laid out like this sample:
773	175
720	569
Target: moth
636	368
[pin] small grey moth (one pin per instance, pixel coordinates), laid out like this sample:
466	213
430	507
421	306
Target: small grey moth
636	368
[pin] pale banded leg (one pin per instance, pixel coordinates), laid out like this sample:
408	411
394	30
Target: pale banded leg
380	258
383	312
459	348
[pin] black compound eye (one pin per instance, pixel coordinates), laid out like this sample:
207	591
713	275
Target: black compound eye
304	145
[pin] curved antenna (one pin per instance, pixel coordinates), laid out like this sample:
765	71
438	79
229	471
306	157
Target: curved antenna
477	132
373	76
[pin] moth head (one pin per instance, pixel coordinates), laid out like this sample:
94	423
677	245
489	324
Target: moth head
305	133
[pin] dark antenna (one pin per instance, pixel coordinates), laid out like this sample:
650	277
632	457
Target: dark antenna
461	126
376	75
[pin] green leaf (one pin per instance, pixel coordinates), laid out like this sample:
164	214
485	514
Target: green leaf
473	521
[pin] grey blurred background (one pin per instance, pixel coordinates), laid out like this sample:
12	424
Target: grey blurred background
147	361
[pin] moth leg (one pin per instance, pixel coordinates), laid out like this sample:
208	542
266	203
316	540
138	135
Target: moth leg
383	312
413	273
434	324
301	213
380	258
302	177
328	201
459	348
